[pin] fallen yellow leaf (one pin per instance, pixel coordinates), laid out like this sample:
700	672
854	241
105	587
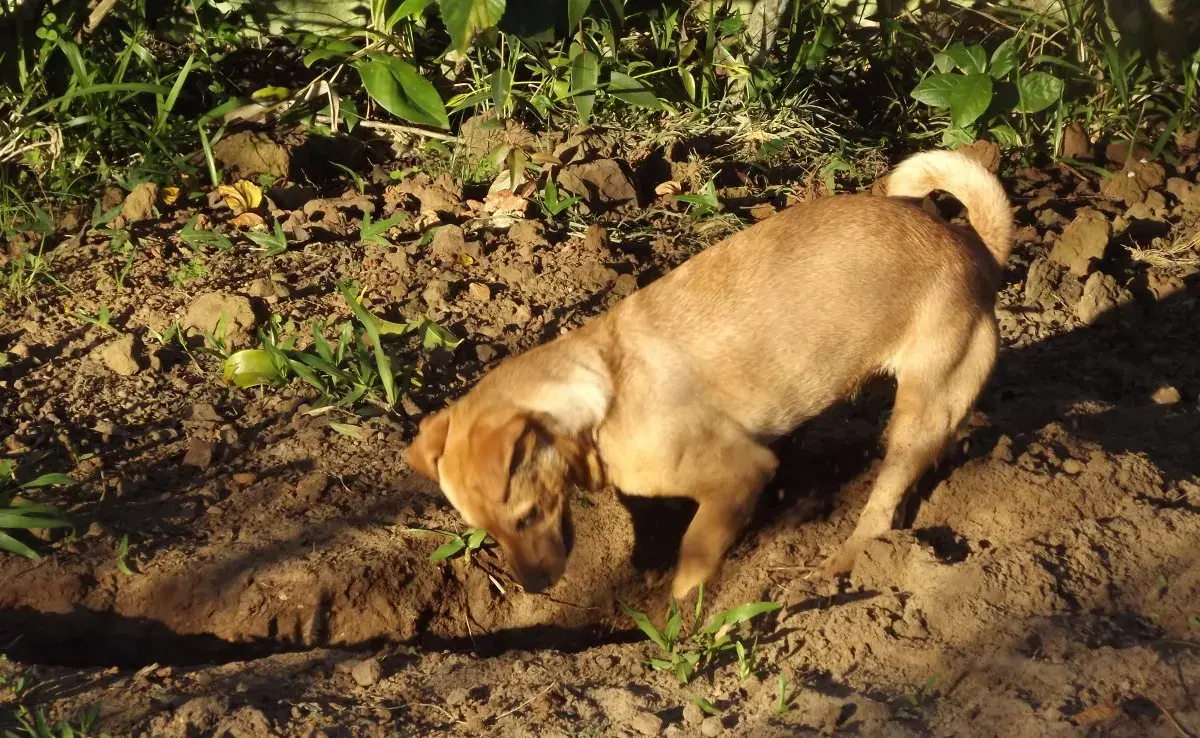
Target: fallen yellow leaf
170	194
241	196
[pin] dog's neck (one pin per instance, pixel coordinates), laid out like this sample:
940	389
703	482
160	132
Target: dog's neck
568	380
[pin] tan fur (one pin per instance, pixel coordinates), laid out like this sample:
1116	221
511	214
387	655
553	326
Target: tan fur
679	388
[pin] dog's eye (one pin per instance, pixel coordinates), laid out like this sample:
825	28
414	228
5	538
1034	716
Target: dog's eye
527	519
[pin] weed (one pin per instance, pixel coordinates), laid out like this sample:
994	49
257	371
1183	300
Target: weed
469	540
273	243
705	705
918	697
704	203
372	231
17	514
35	724
200	238
782	703
100	319
552	203
190	270
684	657
123	556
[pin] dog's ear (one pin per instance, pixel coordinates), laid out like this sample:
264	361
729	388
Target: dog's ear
493	442
429	444
583	460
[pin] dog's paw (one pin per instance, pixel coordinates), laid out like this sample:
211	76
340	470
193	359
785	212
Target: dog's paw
842	561
689	577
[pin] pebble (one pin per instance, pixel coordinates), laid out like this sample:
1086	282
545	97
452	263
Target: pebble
480	291
199	453
457	696
692	714
647	723
1072	466
485	353
1166	395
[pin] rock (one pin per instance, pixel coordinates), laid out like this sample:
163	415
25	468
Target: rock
207	310
440	196
458	696
252	152
1075	143
692	714
1084	239
118	356
1101	294
366	673
244	478
647	723
1166	395
596	238
480	291
435	293
485	353
601	182
449	245
139	204
268	288
199	453
711	727
1073	466
311	487
1131	184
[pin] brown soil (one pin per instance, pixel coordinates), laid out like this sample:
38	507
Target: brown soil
1046	582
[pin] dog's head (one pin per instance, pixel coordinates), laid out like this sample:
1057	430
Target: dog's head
508	471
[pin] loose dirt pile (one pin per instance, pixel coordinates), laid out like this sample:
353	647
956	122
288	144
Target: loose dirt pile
1046	583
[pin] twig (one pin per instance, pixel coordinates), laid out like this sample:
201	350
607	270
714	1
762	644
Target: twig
449	715
1171	719
530	701
397	128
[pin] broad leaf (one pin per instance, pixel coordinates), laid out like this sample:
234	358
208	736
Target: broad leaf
1004	58
1037	91
476	537
250	368
705	705
576	10
402	91
967	96
1005	135
501	84
937	90
953	138
464	18
585	71
626	88
739	614
970	59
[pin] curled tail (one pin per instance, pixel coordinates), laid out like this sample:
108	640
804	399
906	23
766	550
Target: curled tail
975	187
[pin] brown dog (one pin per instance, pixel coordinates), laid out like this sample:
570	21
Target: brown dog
677	390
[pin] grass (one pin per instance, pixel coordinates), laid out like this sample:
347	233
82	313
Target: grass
683	657
19	515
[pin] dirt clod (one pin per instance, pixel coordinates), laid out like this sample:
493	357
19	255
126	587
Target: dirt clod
207	311
692	714
139	205
1082	241
1101	294
712	727
1075	143
647	723
366	673
601	182
118	355
199	453
250	153
458	696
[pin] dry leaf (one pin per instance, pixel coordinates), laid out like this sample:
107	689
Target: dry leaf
543	158
427	219
1097	713
504	201
169	195
247	221
670	187
241	196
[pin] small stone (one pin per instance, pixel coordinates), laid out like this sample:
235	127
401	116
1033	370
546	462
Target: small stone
206	312
435	293
1083	240
711	727
601	182
485	353
252	152
480	291
139	205
1075	143
244	478
267	288
199	453
1166	395
1072	466
1185	192
647	723
117	355
458	696
596	238
367	673
311	487
1101	294
692	714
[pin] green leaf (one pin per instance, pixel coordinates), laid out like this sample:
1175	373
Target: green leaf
705	705
123	555
347	429
448	549
1005	135
937	90
382	363
476	537
435	336
464	18
967	96
20	518
501	85
646	626
372	231
49	480
674	623
781	705
251	368
953	138
585	72
1037	91
274	243
12	545
970	59
944	63
627	89
402	91
1005	57
740	614
576	10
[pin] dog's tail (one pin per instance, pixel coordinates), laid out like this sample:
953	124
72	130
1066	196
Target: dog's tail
975	187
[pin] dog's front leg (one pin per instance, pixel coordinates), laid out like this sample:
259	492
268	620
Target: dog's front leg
726	486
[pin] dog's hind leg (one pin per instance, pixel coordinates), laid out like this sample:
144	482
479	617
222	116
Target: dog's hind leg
935	391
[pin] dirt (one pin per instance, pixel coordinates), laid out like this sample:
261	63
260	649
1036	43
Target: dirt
1044	582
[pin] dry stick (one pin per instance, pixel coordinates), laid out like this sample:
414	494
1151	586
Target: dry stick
396	128
526	703
1171	719
449	715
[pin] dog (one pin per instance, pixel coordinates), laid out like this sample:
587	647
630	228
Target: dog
678	389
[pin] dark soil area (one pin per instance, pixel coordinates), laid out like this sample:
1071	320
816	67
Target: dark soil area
1046	583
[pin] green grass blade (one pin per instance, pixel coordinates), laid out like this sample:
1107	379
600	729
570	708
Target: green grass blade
646	626
12	545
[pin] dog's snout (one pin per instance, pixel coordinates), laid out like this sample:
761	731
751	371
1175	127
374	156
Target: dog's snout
537	581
